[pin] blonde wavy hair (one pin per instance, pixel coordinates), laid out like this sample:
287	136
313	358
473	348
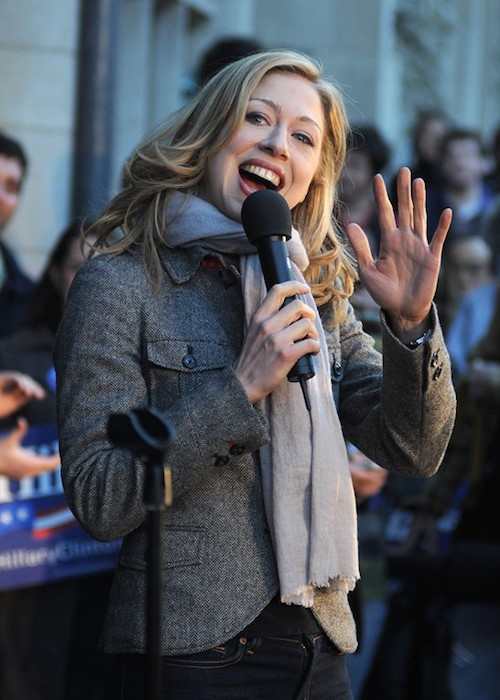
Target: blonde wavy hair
175	158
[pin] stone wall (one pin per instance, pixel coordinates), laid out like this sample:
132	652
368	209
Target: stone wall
390	57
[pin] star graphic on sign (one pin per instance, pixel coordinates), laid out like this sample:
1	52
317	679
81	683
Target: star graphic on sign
6	517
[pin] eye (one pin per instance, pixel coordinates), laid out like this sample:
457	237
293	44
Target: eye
257	118
304	138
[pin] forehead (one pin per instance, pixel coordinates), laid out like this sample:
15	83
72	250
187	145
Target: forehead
10	168
463	146
291	93
433	125
472	250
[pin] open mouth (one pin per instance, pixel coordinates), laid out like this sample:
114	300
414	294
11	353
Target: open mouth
259	178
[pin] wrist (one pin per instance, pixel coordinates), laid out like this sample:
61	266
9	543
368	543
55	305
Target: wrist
247	387
410	332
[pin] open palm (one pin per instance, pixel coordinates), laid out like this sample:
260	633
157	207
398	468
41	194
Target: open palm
403	279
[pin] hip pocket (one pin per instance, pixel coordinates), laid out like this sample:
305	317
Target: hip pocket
219	656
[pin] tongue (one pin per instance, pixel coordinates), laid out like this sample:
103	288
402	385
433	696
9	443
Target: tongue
251	183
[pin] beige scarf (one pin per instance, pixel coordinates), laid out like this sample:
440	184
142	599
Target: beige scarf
308	494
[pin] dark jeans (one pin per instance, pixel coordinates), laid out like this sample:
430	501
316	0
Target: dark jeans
302	667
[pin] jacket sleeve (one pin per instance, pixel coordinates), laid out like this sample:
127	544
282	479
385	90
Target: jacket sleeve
398	408
100	371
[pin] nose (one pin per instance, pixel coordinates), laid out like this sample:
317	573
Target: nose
276	143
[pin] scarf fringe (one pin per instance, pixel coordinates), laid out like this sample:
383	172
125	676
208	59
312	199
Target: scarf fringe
304	595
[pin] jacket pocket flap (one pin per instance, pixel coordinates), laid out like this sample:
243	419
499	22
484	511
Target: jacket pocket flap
188	355
180	546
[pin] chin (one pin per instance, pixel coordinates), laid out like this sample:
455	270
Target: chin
232	208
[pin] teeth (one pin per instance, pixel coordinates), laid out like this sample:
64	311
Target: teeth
264	173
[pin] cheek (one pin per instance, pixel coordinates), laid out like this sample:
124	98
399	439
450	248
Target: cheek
7	204
305	171
221	167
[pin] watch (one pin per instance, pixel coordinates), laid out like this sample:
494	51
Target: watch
414	344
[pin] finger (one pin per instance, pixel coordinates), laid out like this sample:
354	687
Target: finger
30	387
308	346
405	204
29	464
267	321
279	292
287	315
19	432
360	245
275	299
419	210
441	232
304	328
41	464
386	219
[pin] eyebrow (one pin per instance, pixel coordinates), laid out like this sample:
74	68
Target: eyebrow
278	110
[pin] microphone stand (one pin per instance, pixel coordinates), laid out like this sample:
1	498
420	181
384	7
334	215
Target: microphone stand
148	435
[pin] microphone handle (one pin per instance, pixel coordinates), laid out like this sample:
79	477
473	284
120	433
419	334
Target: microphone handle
275	268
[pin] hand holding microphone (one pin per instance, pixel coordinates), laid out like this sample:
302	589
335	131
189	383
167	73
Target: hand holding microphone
282	333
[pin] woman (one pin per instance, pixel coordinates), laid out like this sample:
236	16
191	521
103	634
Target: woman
177	317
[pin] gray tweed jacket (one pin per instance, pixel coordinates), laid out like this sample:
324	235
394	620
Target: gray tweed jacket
121	346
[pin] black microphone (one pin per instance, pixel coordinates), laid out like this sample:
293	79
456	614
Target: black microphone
267	222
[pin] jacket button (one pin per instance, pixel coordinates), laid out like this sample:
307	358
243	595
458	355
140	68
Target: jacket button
435	358
437	372
189	361
236	450
221	460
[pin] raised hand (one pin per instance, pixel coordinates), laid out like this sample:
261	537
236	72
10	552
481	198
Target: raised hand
16	461
403	279
16	390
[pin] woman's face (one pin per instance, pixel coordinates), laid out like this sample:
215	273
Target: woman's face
64	274
357	176
278	146
430	139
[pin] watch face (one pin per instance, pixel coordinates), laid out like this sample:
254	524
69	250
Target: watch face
419	341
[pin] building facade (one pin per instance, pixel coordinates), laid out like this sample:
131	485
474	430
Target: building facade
389	57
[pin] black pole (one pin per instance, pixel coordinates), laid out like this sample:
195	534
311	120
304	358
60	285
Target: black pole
94	106
147	433
155	503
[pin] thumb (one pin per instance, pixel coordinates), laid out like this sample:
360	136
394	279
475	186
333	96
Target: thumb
19	432
360	245
441	232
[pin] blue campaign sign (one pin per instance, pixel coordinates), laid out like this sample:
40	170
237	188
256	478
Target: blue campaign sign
40	540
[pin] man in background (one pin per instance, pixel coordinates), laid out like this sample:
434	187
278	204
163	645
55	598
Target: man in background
462	186
15	287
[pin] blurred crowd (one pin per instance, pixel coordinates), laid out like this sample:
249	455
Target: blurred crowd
441	543
441	539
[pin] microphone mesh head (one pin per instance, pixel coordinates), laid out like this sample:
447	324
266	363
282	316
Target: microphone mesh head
266	213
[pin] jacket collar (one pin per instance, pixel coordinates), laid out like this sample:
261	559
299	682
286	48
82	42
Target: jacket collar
182	263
